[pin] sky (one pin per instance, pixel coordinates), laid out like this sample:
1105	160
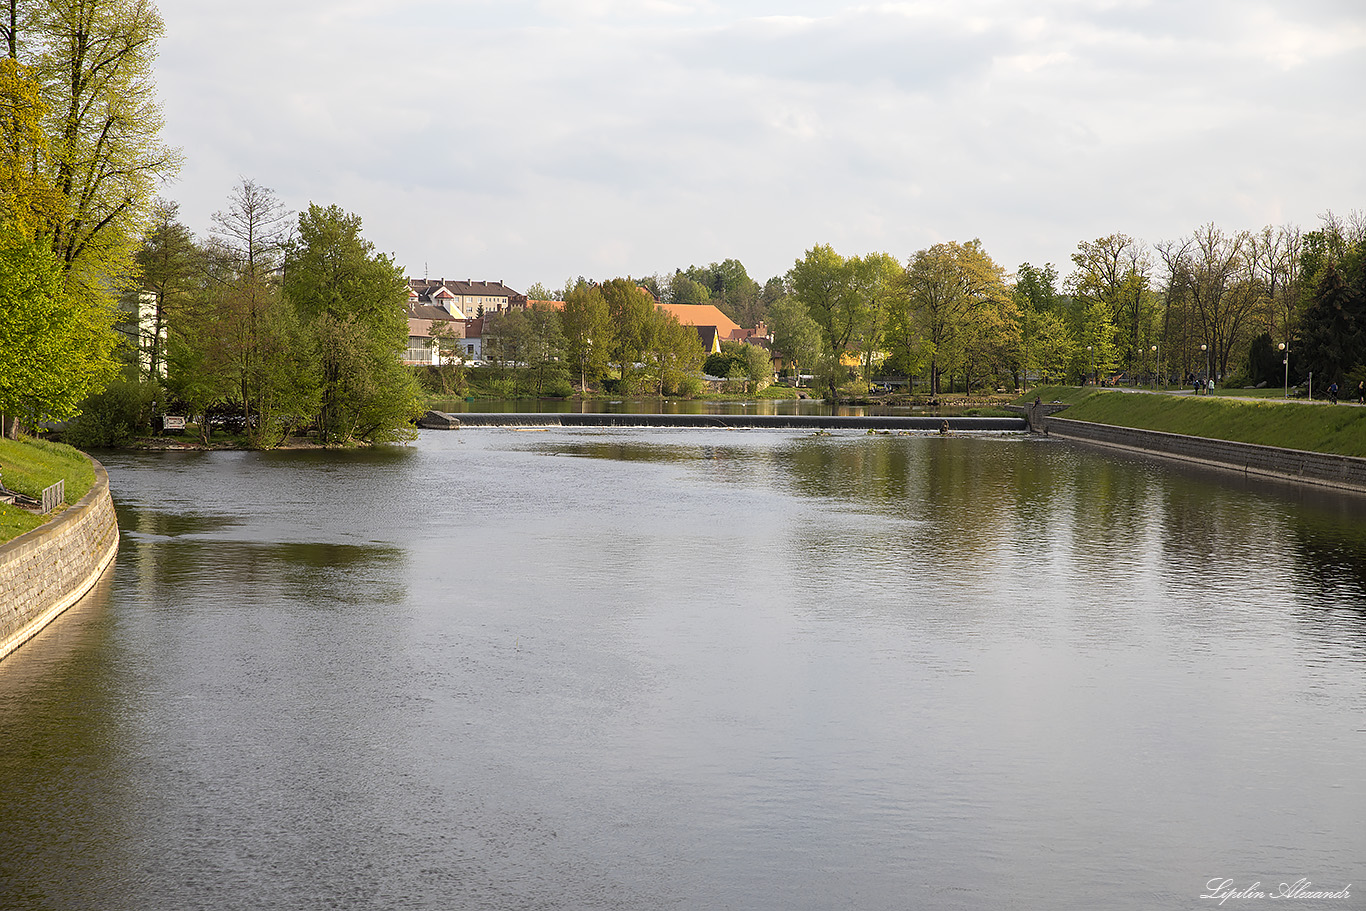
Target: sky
540	140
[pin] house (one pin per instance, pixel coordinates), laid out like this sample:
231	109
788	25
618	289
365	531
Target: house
421	320
712	326
463	299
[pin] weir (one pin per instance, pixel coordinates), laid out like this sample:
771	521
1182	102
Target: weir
436	420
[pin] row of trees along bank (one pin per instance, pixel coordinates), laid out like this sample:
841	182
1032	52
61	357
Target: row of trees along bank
1212	303
609	335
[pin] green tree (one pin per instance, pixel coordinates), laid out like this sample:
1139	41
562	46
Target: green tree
169	274
955	309
587	327
632	315
352	299
105	156
1331	337
246	332
877	281
796	336
1116	270
56	348
672	353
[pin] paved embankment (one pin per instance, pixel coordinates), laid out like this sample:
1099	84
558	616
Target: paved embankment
47	570
769	421
1324	469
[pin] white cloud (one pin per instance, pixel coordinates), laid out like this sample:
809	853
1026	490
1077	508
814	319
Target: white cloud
538	139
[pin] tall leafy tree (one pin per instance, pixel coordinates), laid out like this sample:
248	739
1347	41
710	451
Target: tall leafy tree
632	314
55	345
1116	270
106	155
169	275
796	336
248	332
955	305
351	299
55	349
587	327
1332	337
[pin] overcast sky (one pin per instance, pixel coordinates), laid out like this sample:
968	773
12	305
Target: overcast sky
536	140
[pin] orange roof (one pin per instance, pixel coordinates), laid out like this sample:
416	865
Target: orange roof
702	315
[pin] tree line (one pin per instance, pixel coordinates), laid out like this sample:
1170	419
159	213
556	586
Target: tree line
275	324
607	335
1243	308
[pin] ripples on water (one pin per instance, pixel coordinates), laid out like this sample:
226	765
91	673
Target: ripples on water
692	669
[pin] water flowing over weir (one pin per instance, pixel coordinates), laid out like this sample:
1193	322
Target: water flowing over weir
442	420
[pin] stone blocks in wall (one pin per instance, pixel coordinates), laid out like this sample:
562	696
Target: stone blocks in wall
44	572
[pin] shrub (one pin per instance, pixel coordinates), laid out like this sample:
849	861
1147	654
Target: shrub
112	417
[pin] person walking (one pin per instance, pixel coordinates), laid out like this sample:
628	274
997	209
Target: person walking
1333	393
1361	392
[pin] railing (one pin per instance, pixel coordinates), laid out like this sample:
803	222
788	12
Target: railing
54	496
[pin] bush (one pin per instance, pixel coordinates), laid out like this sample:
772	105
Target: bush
112	417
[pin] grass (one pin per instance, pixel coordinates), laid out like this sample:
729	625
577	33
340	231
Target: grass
1313	426
29	466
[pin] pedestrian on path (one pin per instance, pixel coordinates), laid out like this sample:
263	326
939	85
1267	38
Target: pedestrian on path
1333	393
1361	392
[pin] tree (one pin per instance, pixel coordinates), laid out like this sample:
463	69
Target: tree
587	328
28	199
796	337
168	275
877	280
1331	340
1116	270
671	352
55	347
351	299
954	306
105	157
631	311
249	333
1037	300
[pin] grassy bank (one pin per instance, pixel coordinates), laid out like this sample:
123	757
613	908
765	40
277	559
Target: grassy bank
1313	426
29	466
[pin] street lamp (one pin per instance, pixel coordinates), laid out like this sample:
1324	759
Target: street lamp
1286	360
1091	357
1208	377
1157	365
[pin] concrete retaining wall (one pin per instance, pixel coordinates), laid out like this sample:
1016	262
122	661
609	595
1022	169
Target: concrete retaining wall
1327	470
44	572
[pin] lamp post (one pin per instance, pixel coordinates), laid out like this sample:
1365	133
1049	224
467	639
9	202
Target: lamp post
1208	377
1091	358
1157	365
1285	351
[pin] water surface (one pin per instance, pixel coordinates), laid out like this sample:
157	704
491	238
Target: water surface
639	669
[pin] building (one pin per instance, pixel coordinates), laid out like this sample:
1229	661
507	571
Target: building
463	299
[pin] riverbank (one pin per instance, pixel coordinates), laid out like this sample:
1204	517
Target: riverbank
46	570
1294	424
28	466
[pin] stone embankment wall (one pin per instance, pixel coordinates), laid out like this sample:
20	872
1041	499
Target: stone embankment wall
1344	472
44	572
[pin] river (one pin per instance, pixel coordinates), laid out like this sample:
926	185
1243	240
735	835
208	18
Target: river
694	669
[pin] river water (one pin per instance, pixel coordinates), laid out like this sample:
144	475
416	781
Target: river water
694	669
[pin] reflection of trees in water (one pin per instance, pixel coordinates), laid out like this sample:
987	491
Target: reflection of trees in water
320	574
1328	533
